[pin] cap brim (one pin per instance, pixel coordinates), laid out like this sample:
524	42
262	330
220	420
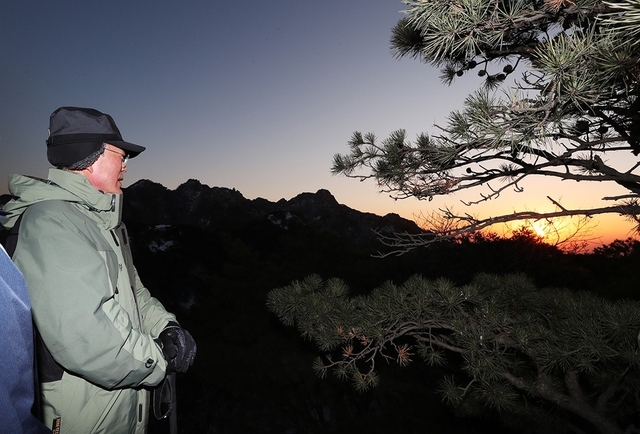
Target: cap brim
132	150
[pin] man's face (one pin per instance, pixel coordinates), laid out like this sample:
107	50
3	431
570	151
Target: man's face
107	173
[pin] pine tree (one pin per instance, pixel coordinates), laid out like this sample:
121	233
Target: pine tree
559	99
550	359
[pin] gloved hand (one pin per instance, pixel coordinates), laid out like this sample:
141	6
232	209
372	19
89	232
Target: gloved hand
178	347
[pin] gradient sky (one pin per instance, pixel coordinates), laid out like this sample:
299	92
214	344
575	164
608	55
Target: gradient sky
252	95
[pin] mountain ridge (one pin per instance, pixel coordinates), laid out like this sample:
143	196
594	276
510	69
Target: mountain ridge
198	205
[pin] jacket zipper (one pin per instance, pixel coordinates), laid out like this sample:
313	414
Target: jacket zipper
135	299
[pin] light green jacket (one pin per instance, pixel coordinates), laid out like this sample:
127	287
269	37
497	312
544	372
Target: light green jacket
94	315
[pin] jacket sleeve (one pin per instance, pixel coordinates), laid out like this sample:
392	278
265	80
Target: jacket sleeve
73	300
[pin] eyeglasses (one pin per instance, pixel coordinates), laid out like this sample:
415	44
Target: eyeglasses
125	157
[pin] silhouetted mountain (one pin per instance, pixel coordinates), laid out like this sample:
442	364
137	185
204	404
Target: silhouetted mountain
211	256
214	208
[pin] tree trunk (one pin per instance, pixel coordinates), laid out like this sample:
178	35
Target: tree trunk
585	411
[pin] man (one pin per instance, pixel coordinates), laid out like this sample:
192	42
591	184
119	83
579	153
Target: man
16	357
106	341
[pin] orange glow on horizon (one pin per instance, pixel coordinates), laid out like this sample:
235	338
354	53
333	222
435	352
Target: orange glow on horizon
565	232
597	231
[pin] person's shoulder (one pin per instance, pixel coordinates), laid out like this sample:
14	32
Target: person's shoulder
50	205
48	208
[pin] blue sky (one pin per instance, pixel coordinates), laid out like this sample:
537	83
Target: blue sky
253	95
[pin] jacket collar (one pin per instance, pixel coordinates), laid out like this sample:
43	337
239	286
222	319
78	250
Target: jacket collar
105	209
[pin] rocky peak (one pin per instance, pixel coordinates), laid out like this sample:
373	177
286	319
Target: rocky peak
218	208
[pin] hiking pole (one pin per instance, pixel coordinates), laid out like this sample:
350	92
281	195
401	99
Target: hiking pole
173	415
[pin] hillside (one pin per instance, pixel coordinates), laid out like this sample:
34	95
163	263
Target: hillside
211	256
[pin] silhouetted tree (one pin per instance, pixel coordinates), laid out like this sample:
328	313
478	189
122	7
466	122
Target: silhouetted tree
573	107
619	249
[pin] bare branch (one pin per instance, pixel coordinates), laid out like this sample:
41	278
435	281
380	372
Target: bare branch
461	224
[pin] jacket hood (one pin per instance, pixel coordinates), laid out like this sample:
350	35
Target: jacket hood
65	186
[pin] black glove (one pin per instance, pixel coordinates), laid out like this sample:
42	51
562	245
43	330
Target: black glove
178	347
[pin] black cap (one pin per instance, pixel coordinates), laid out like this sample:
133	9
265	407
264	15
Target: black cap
75	133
